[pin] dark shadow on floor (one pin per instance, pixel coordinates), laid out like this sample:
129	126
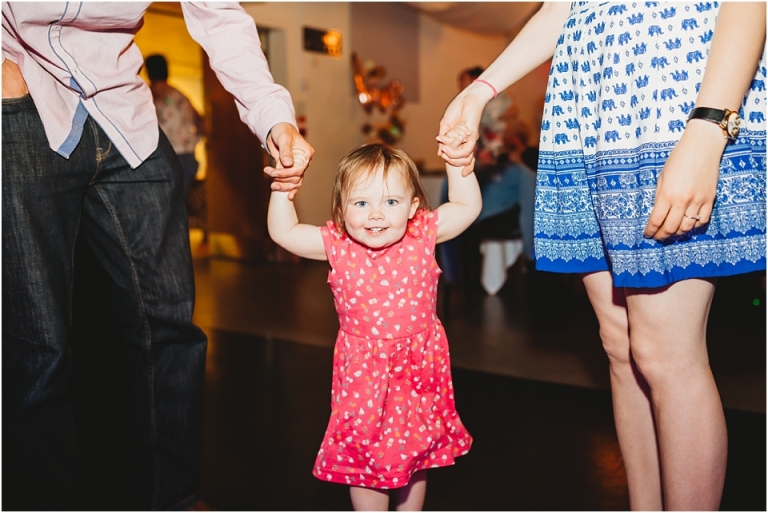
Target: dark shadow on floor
538	446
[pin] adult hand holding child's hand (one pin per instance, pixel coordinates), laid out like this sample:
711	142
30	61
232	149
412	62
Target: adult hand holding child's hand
292	155
459	128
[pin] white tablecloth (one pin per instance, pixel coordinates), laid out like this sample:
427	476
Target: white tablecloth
498	256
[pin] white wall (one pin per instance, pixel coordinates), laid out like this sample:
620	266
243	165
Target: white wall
321	87
444	52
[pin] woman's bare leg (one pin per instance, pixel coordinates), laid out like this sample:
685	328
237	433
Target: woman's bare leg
411	496
631	403
668	340
369	499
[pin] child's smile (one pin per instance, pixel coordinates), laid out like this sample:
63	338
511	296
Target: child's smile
376	211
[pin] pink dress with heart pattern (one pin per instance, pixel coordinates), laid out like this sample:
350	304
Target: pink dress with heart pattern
393	409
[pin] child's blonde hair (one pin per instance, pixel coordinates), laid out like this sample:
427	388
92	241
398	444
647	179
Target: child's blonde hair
363	163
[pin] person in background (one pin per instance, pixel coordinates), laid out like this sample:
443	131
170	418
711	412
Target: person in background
519	135
178	119
82	153
393	409
651	184
507	186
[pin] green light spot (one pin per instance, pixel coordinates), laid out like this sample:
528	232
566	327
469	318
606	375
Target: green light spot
756	302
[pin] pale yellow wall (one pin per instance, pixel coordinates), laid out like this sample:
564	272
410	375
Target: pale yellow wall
167	35
321	88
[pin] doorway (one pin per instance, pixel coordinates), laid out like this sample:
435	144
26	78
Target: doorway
228	201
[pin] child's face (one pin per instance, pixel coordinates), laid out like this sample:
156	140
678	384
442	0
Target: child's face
376	211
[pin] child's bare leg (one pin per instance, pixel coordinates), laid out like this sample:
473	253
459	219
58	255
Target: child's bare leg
369	499
411	496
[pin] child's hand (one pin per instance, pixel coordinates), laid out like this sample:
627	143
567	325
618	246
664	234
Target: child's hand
300	161
459	128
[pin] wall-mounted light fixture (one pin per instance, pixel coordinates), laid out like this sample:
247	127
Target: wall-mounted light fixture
322	41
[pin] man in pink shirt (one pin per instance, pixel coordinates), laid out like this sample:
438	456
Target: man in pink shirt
82	152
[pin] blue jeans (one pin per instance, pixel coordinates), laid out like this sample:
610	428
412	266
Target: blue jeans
135	221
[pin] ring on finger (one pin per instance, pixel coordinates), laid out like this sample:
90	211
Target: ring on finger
697	217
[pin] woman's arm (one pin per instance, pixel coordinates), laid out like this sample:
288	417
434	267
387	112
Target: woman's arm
534	44
688	182
463	207
303	240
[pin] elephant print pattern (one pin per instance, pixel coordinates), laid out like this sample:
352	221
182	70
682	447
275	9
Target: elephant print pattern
392	405
623	80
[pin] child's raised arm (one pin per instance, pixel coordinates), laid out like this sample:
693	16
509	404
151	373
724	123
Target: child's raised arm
303	240
463	206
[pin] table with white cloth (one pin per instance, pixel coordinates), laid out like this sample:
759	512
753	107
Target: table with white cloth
498	257
513	187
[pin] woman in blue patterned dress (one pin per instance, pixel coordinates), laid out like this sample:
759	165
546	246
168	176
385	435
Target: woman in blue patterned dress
649	206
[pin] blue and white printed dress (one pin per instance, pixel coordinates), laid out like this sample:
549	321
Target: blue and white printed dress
624	78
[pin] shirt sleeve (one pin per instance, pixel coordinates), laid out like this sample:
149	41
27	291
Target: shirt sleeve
228	35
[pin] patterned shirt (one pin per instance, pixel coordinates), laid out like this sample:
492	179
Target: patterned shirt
177	117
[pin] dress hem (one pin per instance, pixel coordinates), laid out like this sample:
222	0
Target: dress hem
384	484
652	279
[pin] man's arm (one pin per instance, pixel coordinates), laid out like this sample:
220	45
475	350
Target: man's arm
228	35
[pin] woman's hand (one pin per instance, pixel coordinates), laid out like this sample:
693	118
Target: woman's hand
460	126
686	187
535	43
688	183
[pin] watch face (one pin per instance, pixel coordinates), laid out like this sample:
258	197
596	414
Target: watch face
733	125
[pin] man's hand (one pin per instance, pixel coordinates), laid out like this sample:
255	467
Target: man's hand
292	155
14	85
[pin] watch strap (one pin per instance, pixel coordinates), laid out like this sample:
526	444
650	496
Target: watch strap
714	115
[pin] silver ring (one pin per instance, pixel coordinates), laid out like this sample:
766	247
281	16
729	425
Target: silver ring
695	218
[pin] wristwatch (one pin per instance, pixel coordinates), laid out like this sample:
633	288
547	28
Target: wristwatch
728	120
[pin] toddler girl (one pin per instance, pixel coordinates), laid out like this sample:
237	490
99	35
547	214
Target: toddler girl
393	410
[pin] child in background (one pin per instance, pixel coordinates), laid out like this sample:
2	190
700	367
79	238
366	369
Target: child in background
393	410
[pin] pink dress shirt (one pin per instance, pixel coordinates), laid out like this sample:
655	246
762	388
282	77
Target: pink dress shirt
79	60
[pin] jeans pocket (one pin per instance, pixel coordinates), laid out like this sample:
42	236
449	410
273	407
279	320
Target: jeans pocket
19	101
